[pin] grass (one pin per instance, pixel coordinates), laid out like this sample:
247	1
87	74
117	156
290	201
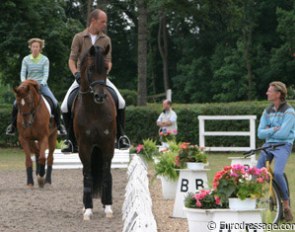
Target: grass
12	159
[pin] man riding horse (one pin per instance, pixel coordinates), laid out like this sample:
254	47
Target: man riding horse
92	35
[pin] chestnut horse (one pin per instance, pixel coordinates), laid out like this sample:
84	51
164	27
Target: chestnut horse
35	131
95	130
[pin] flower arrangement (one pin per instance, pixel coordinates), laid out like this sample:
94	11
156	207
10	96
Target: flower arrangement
166	135
191	153
204	199
240	181
166	166
147	150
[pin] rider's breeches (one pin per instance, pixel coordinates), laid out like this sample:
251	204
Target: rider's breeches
45	91
280	156
64	105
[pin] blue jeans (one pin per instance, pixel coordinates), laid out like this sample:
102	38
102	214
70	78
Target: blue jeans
45	91
281	155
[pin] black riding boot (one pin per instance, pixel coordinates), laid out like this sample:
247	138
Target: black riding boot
71	143
11	129
60	127
123	141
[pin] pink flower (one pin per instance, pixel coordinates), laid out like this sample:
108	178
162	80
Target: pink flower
198	204
139	148
217	200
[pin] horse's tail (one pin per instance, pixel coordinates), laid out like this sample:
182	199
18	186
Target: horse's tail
97	172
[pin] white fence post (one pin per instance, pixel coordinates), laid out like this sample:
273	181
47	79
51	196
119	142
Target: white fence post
137	206
251	133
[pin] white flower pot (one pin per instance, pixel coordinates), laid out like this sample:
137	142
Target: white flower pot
195	166
198	219
165	145
238	204
168	188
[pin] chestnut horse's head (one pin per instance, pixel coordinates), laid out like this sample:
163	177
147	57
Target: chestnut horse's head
94	73
27	99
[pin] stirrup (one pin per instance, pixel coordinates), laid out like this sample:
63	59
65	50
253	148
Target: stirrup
123	142
10	130
70	147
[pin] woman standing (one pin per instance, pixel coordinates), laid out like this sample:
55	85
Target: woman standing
36	67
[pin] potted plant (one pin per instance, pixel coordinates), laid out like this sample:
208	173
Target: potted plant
197	208
148	150
192	156
165	168
240	184
166	136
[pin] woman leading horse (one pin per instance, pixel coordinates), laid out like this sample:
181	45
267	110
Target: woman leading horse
95	130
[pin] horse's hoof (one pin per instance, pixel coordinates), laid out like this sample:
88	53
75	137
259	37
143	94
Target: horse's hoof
41	181
108	211
88	215
30	186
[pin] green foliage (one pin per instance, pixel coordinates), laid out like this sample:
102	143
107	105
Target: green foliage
166	166
130	96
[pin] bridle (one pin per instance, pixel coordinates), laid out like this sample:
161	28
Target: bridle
91	85
31	113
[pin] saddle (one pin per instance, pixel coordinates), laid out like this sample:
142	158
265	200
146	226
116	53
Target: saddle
49	104
73	96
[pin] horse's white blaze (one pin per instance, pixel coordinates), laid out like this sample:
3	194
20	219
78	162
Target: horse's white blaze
106	132
108	211
22	102
88	214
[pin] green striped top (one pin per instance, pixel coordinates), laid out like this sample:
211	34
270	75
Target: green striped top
35	68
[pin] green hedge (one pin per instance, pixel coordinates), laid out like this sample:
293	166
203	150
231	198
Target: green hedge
141	122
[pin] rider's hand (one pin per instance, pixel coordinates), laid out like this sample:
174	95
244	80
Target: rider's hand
77	77
276	128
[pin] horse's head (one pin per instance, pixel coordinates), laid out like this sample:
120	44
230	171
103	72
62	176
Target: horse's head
27	100
94	73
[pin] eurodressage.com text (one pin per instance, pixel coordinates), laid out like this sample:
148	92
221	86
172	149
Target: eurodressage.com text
226	226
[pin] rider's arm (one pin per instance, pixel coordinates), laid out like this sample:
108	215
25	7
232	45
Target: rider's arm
23	72
45	72
75	52
287	125
264	131
73	66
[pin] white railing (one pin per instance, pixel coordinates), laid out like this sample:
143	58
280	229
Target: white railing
251	133
137	207
72	161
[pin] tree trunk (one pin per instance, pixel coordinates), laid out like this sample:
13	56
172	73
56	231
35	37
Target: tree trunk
163	48
142	53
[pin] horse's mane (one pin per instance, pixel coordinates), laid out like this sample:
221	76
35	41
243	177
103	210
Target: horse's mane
28	85
97	53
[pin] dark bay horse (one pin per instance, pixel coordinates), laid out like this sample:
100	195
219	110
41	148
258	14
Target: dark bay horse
35	131
95	130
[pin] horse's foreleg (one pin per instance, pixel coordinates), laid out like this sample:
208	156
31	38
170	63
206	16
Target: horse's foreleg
106	197
29	163
42	159
87	195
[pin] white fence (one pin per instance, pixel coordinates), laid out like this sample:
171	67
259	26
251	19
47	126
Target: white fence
137	206
72	161
251	133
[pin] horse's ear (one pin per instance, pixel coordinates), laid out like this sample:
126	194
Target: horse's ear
106	50
35	85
